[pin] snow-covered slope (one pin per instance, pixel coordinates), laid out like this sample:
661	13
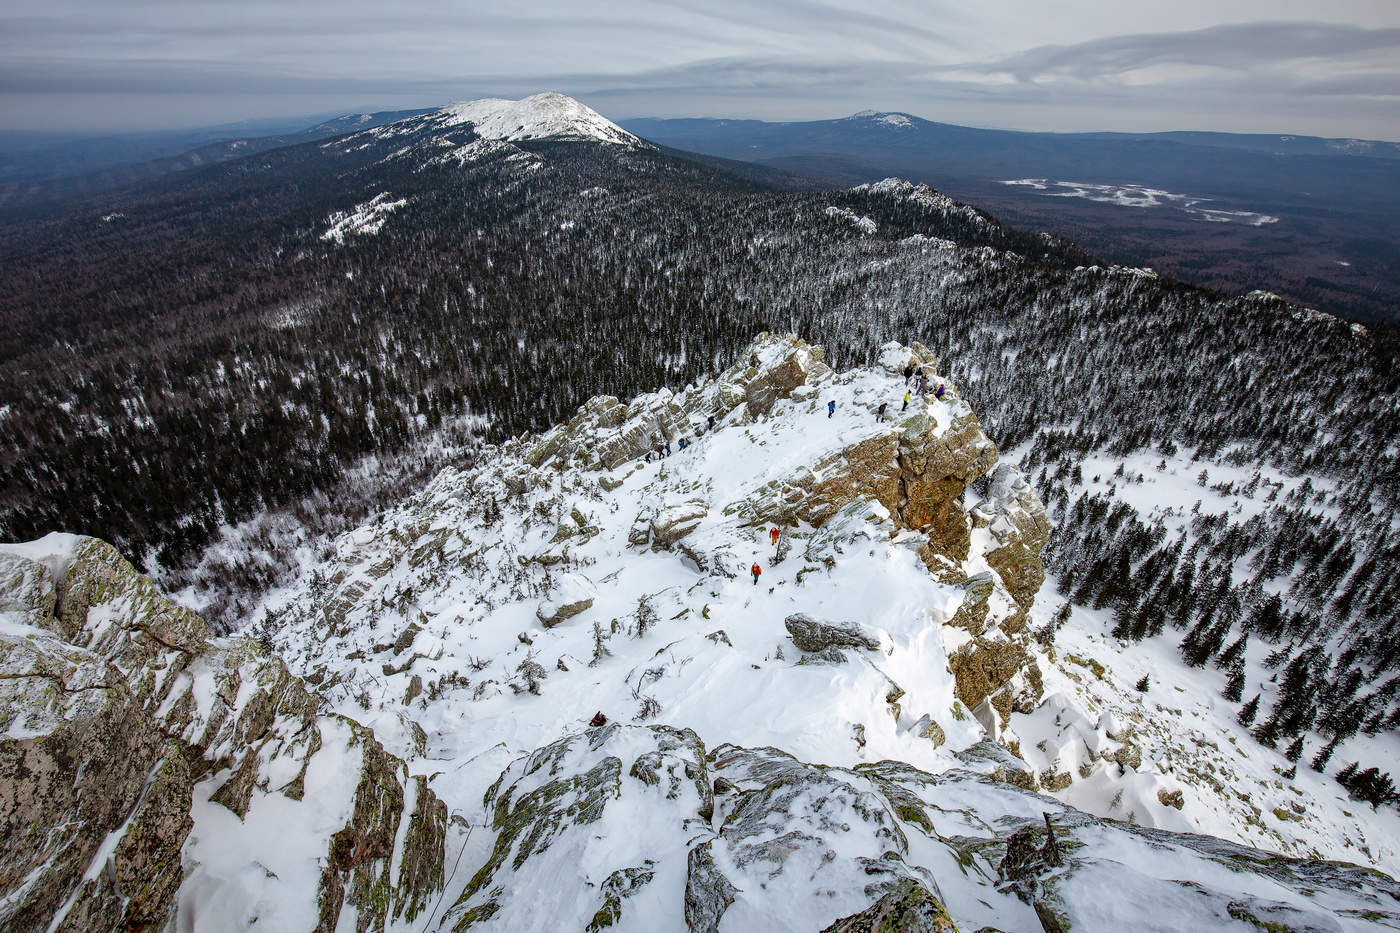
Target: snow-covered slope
857	732
563	574
539	116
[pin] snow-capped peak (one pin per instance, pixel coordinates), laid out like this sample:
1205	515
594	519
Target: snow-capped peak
900	120
540	116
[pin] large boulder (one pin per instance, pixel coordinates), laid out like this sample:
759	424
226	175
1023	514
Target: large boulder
676	521
812	635
573	594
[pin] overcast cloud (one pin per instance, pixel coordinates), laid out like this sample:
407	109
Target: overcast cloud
1297	66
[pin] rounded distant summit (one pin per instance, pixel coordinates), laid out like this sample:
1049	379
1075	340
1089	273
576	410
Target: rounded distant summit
539	116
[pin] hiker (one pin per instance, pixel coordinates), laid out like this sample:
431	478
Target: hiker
906	401
657	448
773	537
880	412
682	443
939	393
598	720
712	422
908	374
923	384
668	448
831	408
755	570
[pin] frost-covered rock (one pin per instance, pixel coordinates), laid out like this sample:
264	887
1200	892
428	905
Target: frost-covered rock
639	827
809	634
928	747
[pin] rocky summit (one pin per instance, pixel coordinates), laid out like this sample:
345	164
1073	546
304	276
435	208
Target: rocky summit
402	741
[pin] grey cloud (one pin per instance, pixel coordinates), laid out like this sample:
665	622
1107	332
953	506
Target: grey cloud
1234	46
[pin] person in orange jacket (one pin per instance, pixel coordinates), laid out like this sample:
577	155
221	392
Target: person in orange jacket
773	537
755	570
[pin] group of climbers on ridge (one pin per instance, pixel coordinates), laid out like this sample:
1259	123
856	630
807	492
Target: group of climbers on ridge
921	387
775	534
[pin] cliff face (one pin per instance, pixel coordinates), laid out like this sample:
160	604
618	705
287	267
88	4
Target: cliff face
128	731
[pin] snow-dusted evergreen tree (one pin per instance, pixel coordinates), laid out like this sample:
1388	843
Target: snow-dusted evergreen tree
1249	711
1234	687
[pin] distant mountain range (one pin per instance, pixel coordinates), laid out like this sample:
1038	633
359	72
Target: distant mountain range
44	167
1310	218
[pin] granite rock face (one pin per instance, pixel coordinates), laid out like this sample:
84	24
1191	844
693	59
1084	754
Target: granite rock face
124	721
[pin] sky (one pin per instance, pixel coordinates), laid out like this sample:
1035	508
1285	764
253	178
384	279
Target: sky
1277	66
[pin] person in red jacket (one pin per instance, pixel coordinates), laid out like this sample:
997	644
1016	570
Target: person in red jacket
773	537
755	570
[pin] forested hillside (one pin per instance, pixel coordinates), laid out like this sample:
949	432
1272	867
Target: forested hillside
184	356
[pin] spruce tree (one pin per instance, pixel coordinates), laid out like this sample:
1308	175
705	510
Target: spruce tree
1344	777
1295	749
1319	762
1266	733
1234	687
1144	684
1233	654
1248	712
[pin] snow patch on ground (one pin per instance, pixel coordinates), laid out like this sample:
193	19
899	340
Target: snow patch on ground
1141	196
363	219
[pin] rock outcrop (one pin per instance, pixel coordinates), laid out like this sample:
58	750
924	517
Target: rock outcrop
810	634
747	838
574	594
125	721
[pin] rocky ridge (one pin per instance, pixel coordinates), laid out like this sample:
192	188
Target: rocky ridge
830	746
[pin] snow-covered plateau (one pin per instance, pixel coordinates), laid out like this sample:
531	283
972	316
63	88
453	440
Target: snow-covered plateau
874	731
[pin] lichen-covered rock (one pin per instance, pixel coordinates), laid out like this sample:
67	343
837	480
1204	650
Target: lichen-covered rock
676	521
547	807
116	733
936	463
866	469
984	666
971	615
809	634
778	381
909	908
926	728
1019	528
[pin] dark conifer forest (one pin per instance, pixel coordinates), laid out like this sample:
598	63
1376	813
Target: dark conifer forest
191	353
